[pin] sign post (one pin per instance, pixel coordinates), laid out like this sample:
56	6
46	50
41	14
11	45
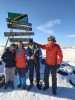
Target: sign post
20	22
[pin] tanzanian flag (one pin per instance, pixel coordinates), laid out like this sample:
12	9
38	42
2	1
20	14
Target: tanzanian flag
18	17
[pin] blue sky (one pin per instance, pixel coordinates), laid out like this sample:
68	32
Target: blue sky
48	17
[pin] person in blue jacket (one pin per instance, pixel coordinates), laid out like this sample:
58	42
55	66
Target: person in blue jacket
34	55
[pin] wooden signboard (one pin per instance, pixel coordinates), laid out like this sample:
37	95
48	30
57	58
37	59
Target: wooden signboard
19	39
25	44
14	26
18	33
18	22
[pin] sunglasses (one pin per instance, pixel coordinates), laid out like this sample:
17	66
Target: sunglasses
50	40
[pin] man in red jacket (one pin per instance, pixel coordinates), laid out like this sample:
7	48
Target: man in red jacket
53	60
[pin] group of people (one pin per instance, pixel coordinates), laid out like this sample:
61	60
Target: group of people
20	59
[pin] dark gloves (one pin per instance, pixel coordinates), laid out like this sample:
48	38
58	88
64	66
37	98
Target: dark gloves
58	66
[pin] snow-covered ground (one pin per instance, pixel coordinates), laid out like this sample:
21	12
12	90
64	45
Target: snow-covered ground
69	55
65	91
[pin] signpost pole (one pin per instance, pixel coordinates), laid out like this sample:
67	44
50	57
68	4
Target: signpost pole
6	43
11	30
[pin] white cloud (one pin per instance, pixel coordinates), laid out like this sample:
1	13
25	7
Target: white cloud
70	36
46	28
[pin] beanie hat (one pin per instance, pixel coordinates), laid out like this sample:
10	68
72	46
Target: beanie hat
51	38
13	45
30	40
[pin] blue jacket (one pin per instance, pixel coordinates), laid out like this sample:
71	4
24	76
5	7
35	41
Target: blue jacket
37	54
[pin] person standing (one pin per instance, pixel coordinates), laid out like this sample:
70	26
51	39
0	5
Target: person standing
21	65
34	54
8	58
53	60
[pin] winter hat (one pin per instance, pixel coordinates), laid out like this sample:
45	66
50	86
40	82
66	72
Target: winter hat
30	40
51	38
13	45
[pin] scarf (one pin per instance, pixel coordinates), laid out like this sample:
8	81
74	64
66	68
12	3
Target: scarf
19	51
31	47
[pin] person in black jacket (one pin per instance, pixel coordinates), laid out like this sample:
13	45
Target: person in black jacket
8	58
33	55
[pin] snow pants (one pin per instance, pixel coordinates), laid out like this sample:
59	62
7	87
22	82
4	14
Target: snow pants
31	72
21	75
52	69
9	74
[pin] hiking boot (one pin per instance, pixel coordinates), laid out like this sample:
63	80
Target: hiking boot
39	86
24	87
19	85
54	93
31	82
45	87
11	85
6	86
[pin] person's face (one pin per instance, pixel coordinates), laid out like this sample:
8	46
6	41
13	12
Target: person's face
19	45
49	41
30	43
12	48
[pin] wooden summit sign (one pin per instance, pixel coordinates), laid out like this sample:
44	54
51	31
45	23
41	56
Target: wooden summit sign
14	26
25	44
18	22
18	33
19	39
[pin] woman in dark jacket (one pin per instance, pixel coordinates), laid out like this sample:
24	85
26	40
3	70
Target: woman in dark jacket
8	58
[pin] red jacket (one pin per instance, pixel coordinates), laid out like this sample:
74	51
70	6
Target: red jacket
20	59
53	53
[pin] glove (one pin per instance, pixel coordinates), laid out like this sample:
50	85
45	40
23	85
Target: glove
58	66
32	57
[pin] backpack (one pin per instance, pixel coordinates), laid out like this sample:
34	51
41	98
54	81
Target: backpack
2	81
